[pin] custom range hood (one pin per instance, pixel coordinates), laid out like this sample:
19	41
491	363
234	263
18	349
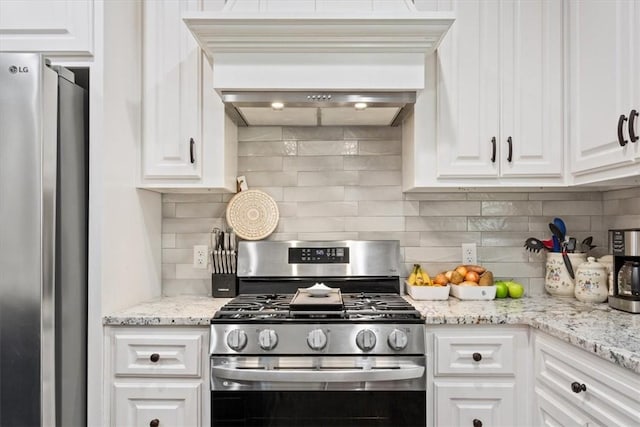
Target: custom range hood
322	62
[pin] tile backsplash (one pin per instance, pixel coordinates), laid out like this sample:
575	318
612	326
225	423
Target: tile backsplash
336	183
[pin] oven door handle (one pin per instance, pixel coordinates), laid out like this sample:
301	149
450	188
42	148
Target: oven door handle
325	376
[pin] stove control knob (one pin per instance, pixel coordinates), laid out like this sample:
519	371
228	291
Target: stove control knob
268	339
397	339
317	339
366	340
237	339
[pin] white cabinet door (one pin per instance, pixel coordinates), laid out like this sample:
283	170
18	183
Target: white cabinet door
171	404
500	91
531	126
475	404
172	108
468	92
603	81
187	140
56	27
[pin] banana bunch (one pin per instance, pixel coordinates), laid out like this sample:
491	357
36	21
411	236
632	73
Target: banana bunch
419	277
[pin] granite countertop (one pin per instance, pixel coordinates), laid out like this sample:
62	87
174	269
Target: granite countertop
186	310
597	328
610	334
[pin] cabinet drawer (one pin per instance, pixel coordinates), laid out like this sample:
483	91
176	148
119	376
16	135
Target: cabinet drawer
554	412
465	403
468	353
610	394
172	404
158	354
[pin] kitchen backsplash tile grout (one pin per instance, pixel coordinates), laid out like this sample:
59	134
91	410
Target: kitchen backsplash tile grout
339	183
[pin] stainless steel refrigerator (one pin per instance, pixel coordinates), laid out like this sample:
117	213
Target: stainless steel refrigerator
43	243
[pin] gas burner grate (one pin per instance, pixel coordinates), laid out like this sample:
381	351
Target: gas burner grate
356	306
386	315
258	303
252	315
390	303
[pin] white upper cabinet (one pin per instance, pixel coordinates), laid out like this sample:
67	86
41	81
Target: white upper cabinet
61	27
499	108
172	93
604	88
187	140
468	93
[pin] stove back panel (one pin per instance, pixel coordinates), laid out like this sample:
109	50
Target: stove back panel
299	259
289	285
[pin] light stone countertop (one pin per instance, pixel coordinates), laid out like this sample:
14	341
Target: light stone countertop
610	334
185	310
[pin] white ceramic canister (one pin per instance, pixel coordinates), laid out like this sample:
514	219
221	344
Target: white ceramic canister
607	261
591	281
557	280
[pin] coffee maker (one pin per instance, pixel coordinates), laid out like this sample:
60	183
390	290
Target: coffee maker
625	247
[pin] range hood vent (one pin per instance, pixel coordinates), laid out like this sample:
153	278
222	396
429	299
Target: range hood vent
370	51
318	108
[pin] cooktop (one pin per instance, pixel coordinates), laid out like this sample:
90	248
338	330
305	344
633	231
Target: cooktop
352	307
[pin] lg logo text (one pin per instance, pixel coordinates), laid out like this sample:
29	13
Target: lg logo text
14	69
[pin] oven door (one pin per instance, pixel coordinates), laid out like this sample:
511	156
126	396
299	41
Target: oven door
318	391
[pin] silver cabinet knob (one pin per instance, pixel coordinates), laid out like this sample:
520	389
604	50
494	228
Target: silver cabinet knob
268	339
317	339
366	340
237	339
397	339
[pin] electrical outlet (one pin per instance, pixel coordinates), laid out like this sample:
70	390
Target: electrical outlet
200	256
469	255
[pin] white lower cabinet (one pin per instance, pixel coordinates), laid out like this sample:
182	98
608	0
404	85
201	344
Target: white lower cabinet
157	376
575	388
478	376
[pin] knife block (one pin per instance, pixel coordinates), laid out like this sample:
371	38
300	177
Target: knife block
224	285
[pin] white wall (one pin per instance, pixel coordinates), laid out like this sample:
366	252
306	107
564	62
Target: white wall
125	223
131	221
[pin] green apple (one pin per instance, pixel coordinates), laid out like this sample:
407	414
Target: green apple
516	290
501	290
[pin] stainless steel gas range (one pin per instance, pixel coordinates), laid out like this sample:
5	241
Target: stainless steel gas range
282	355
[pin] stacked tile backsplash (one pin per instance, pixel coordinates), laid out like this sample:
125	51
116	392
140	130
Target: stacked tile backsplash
335	183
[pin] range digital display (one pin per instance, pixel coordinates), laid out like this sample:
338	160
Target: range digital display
319	255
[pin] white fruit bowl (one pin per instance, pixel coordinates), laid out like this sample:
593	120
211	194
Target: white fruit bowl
473	292
431	293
